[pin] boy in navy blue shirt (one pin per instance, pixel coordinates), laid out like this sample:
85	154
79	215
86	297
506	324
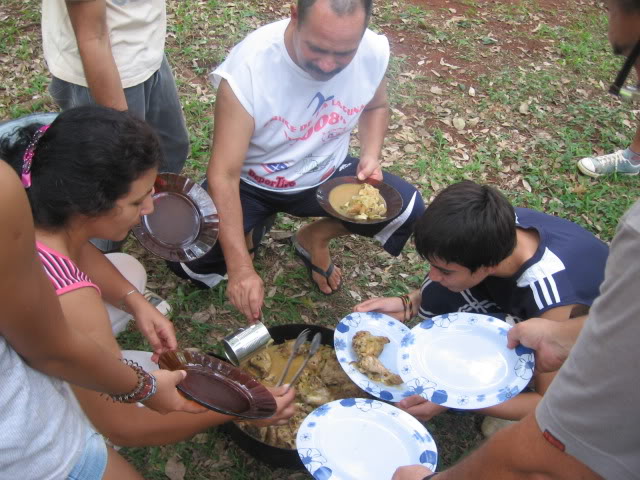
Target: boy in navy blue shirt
491	258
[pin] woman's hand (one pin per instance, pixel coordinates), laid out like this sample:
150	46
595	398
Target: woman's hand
421	408
392	306
167	399
156	328
286	407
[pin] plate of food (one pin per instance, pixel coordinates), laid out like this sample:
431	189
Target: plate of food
184	223
356	201
220	386
367	346
461	360
355	438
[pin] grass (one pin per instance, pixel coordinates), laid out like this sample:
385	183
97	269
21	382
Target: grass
539	75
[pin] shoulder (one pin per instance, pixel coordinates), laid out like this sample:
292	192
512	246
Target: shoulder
258	45
374	49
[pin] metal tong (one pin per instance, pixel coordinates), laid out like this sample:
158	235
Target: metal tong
300	339
313	349
315	346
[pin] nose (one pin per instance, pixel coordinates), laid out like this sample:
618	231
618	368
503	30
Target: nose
327	64
435	276
147	205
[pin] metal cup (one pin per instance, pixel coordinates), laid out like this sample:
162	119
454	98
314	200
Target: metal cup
245	342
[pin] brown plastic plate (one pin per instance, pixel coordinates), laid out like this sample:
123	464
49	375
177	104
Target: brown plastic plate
220	386
184	223
390	195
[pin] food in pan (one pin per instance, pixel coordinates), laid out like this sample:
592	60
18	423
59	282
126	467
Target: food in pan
322	381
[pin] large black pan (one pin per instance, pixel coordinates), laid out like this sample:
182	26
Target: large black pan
276	456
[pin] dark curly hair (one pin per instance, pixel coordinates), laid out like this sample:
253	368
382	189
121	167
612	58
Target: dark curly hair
468	224
84	162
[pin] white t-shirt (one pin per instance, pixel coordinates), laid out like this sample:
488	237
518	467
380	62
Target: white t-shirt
42	431
137	30
302	125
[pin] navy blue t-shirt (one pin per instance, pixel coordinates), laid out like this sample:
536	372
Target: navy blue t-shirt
567	269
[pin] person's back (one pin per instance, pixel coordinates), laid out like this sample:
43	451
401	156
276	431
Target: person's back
566	269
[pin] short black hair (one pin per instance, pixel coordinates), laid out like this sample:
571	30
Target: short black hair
339	7
468	224
84	162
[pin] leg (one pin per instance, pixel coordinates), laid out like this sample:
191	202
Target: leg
135	273
119	469
164	113
315	238
258	213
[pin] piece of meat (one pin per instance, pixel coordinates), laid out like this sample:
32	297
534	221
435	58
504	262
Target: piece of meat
365	344
374	369
262	363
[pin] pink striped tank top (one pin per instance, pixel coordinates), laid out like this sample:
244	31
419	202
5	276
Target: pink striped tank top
63	273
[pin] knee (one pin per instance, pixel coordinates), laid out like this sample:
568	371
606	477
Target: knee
130	268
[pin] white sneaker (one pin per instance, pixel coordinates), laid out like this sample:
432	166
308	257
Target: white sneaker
491	425
160	303
607	164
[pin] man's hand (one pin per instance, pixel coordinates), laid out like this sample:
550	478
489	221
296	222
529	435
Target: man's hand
369	167
551	340
420	408
156	328
286	407
245	290
411	472
167	398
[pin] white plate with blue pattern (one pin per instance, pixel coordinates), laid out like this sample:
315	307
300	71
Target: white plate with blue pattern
461	360
377	324
357	438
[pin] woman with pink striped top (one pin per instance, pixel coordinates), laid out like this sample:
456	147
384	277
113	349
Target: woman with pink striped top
90	174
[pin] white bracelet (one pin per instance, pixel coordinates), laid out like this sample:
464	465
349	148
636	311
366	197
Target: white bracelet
124	298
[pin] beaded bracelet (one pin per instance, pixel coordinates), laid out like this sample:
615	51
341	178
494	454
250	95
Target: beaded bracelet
407	307
146	387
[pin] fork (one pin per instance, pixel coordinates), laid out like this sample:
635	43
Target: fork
313	349
300	339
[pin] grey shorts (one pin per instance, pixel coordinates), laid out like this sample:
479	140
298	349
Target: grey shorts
155	100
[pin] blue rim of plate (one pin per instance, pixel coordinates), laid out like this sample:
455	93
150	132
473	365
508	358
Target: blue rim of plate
319	462
414	345
201	238
378	324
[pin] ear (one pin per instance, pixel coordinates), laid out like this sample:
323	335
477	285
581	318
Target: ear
294	14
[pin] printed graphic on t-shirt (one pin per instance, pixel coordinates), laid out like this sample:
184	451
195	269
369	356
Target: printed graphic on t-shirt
328	117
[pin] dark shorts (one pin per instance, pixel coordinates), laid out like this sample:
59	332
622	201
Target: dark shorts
259	206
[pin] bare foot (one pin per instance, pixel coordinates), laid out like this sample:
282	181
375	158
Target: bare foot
315	239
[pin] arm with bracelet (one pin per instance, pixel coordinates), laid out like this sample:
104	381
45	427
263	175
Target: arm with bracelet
402	308
34	326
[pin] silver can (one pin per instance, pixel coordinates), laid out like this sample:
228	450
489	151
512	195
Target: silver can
245	342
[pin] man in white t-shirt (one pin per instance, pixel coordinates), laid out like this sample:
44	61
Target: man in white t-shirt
111	52
289	96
